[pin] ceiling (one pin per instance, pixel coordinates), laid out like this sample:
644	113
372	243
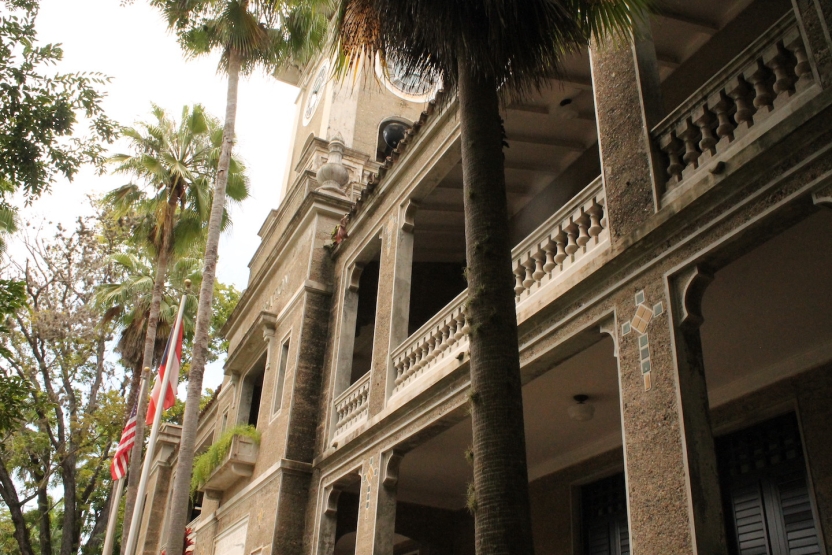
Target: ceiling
552	134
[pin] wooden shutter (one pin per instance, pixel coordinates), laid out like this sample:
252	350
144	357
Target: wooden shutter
767	504
605	517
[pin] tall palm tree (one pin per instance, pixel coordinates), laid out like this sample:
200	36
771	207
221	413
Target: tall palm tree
486	51
248	34
174	164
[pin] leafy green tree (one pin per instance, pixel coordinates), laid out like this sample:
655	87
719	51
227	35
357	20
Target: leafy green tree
485	51
248	34
57	344
40	111
174	164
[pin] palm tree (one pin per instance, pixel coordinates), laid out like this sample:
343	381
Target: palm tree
174	164
486	51
248	34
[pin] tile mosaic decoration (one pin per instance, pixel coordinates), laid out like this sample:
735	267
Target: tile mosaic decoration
641	320
368	476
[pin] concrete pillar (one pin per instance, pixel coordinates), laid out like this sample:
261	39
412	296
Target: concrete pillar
154	518
814	18
625	80
672	481
377	505
402	279
385	321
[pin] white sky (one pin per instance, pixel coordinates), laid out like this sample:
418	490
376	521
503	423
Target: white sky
131	45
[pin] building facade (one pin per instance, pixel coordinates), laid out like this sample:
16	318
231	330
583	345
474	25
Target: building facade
670	206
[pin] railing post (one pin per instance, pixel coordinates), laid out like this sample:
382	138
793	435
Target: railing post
814	18
628	104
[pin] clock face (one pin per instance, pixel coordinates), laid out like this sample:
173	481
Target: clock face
410	85
316	92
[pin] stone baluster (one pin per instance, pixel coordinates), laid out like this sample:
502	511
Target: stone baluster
539	257
528	264
705	119
722	107
551	249
519	275
582	223
560	241
571	234
740	92
803	69
670	145
760	78
689	133
779	60
594	220
460	325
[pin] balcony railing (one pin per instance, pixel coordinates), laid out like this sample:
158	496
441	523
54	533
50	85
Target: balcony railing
759	81
351	407
564	241
236	465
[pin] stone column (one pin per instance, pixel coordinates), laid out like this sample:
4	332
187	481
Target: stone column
402	279
377	505
385	306
625	80
814	18
672	481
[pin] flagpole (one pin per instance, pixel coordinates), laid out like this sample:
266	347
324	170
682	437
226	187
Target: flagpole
111	524
136	521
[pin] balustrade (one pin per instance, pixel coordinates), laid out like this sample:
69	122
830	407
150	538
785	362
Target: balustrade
559	243
762	79
351	407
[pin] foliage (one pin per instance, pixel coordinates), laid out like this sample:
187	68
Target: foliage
266	33
39	109
206	463
517	46
56	344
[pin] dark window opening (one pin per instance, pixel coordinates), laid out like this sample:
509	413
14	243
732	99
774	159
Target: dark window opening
280	376
365	320
433	285
252	394
195	505
768	509
605	527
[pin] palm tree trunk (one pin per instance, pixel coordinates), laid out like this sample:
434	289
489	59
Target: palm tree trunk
135	470
501	502
178	510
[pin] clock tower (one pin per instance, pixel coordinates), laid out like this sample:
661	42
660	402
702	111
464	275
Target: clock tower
365	110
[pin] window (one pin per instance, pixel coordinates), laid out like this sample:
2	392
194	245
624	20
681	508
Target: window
605	527
766	499
224	423
281	376
251	394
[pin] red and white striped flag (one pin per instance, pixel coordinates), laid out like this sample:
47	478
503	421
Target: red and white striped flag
170	398
118	468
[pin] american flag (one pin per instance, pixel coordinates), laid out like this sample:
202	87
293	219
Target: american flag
118	468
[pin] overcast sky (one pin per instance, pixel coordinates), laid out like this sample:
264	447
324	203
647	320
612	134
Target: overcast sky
131	45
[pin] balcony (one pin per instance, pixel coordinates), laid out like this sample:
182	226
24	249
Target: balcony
758	88
237	464
563	244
